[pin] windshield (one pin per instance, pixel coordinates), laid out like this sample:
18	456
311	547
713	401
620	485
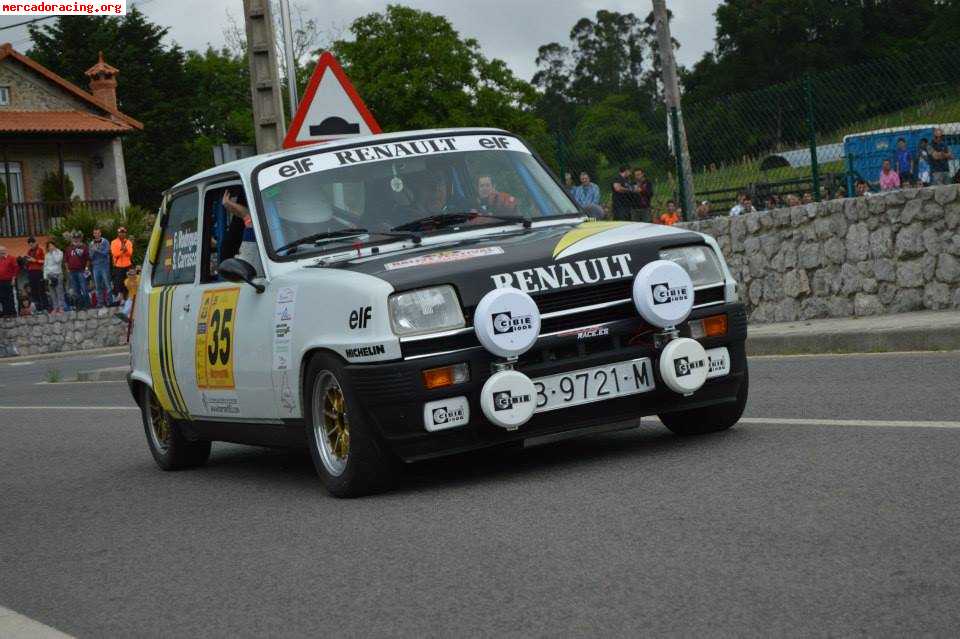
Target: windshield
388	189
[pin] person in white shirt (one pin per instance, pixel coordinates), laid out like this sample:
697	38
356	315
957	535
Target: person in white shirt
53	274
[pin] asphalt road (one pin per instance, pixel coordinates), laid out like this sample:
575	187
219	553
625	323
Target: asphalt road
772	528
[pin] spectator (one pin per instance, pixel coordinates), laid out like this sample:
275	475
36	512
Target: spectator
100	263
807	197
923	163
940	156
773	202
622	195
78	261
744	206
8	279
671	216
792	199
121	249
492	200
642	195
53	274
904	162
703	210
26	306
889	179
568	183
737	208
863	189
840	194
586	192
34	260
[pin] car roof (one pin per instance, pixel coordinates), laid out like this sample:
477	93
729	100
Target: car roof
246	165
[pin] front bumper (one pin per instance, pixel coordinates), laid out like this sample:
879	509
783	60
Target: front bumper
393	394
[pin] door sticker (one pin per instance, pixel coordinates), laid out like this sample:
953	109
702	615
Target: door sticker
216	324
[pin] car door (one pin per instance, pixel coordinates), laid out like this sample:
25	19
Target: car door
225	333
169	294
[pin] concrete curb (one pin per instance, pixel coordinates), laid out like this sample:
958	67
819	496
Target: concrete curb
110	374
920	331
38	356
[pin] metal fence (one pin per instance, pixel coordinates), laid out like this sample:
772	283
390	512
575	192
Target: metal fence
810	139
18	219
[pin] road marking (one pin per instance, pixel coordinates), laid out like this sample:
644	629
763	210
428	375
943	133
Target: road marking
13	624
92	381
23	363
69	408
878	423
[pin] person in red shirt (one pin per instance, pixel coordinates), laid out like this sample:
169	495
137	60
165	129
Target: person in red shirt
77	258
492	200
34	259
671	216
8	275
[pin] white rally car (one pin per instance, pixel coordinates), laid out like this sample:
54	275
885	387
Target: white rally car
409	295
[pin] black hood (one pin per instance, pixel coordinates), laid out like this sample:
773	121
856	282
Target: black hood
537	260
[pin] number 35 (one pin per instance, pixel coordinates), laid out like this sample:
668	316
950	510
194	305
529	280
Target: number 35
220	328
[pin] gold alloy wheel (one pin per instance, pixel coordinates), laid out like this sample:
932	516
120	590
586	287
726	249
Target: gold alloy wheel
160	428
330	423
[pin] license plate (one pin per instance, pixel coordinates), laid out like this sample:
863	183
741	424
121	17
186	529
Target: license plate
593	384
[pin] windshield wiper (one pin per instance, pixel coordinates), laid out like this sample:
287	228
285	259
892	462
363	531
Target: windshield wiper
316	238
440	220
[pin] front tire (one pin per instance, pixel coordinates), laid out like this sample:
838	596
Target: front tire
170	449
710	419
348	454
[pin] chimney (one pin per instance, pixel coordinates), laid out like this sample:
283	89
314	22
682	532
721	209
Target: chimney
103	83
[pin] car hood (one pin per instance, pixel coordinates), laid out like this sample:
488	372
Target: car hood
536	260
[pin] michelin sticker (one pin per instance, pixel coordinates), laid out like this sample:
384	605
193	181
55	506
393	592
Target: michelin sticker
386	151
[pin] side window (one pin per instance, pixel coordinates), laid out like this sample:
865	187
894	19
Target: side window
179	242
222	231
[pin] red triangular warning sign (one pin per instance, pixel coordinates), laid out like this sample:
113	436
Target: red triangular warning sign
330	109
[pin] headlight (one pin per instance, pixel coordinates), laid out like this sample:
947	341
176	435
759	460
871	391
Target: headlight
425	310
699	261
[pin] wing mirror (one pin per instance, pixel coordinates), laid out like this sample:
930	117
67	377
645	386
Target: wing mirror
237	270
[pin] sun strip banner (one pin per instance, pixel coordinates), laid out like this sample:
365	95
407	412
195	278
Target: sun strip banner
160	340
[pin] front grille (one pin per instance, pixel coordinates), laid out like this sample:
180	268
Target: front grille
570	300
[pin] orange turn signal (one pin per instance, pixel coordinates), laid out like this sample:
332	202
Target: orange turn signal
715	325
446	376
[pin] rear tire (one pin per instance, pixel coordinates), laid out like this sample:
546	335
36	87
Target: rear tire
710	419
349	455
170	449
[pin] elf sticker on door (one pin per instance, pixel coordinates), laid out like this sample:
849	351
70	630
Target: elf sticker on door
215	337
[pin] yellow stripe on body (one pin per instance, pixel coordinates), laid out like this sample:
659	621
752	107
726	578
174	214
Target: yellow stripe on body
583	231
156	348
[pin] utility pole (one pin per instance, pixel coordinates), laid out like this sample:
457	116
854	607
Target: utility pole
268	121
288	51
671	92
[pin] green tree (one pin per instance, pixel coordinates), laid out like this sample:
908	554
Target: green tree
415	71
608	55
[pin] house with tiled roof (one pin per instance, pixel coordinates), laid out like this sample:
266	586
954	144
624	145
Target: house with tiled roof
51	127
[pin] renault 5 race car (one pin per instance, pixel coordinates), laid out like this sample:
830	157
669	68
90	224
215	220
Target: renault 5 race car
410	295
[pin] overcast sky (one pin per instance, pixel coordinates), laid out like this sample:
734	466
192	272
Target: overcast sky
507	29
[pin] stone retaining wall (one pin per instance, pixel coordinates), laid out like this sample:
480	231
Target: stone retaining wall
888	253
76	330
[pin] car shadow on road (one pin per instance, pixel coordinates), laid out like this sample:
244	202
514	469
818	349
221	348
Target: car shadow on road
294	468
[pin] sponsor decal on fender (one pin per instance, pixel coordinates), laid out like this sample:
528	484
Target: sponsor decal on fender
366	351
565	274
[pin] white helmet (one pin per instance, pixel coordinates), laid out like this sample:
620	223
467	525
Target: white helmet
301	201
